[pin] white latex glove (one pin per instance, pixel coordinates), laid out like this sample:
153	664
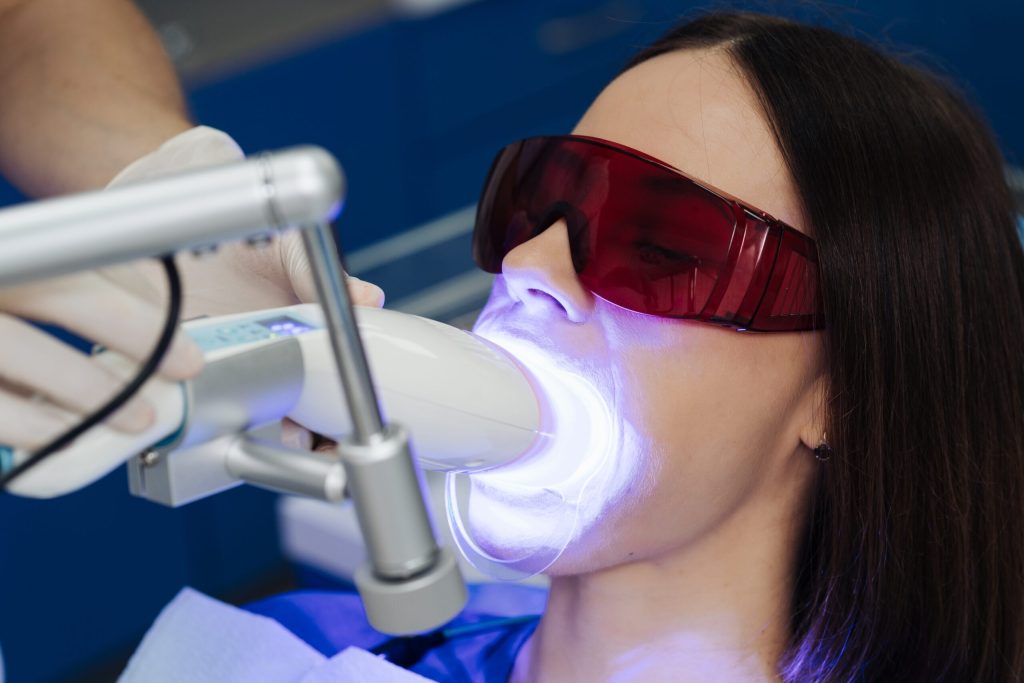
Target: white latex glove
123	308
116	307
33	364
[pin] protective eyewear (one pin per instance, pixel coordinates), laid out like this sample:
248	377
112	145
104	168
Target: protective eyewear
647	237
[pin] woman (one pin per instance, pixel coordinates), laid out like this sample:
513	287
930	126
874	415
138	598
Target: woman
812	504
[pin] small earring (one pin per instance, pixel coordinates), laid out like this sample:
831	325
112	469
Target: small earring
823	452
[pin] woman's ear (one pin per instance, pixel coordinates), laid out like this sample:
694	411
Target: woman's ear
814	422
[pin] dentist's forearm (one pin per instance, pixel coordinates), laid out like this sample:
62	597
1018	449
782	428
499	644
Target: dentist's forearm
85	89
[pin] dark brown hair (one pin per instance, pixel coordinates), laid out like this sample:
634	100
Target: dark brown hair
912	568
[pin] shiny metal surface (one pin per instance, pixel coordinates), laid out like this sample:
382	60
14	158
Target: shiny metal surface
192	210
354	371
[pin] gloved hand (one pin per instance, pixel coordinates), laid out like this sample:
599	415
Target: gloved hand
238	277
34	364
116	307
123	308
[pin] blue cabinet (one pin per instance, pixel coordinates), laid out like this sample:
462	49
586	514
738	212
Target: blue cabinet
341	96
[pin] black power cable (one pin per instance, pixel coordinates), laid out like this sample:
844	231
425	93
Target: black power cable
147	370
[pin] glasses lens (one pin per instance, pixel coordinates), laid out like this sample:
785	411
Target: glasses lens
659	241
643	236
531	185
496	213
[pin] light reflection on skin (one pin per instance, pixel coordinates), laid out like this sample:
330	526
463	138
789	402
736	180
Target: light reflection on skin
524	514
642	663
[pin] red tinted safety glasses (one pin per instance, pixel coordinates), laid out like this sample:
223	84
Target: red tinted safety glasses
648	238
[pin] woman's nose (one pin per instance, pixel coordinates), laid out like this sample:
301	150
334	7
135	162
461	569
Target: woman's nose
540	272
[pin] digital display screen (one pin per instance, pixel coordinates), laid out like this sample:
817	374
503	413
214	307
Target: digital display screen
284	326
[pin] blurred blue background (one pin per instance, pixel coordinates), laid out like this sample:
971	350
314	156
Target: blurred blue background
414	98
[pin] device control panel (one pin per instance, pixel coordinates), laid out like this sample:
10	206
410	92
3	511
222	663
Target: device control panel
248	329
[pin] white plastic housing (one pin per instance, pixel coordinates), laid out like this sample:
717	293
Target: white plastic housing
466	403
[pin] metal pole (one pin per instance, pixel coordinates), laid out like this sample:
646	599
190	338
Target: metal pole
409	584
197	209
329	278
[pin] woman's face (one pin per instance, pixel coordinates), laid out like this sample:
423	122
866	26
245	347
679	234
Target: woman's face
696	423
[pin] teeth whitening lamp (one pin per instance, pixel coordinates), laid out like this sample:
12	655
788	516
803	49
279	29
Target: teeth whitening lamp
469	405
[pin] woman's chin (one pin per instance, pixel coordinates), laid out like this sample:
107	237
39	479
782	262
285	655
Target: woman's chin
514	528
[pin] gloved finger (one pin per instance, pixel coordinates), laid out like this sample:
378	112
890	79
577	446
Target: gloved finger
323	444
294	435
29	424
365	293
130	277
293	256
94	307
45	366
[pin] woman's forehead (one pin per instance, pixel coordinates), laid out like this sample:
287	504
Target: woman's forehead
694	110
